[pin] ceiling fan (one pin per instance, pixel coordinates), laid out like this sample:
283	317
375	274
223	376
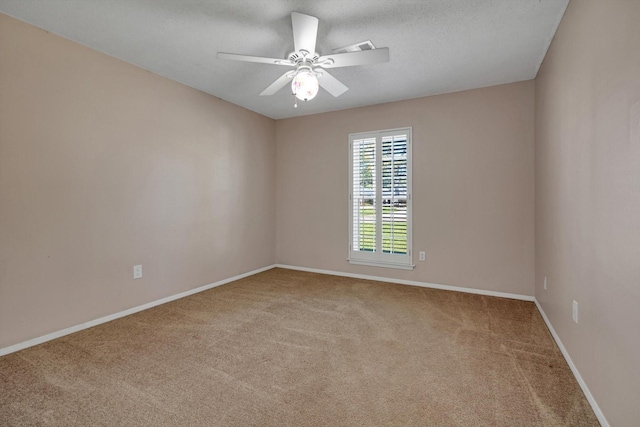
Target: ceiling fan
310	67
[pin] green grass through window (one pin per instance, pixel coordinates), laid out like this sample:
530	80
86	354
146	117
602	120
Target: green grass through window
394	237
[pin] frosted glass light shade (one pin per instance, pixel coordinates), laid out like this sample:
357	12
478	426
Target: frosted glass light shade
305	85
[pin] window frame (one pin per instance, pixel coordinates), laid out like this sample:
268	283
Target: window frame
378	258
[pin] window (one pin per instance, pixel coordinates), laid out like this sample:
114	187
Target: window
380	198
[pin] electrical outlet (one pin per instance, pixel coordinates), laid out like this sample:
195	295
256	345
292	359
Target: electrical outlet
137	271
545	283
575	311
423	256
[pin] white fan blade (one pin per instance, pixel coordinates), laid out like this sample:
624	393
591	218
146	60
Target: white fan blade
278	84
331	84
348	59
260	59
305	30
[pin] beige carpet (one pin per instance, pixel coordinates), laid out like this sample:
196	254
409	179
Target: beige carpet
293	348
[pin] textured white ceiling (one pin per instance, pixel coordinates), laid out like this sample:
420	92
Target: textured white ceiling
436	46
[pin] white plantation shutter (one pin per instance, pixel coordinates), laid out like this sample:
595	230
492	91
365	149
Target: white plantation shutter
380	196
394	194
363	198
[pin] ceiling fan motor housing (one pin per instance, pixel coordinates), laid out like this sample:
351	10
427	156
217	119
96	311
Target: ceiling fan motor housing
303	55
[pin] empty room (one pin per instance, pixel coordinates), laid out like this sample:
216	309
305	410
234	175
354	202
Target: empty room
298	212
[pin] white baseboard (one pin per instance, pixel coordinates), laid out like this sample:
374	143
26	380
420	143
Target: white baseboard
86	325
76	328
411	283
565	353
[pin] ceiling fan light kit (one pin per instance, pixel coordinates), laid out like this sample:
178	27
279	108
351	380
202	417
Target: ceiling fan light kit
305	85
310	68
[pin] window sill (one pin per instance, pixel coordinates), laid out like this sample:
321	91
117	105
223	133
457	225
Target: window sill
382	264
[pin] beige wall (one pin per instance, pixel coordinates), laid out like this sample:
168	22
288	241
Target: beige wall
103	166
588	197
473	187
